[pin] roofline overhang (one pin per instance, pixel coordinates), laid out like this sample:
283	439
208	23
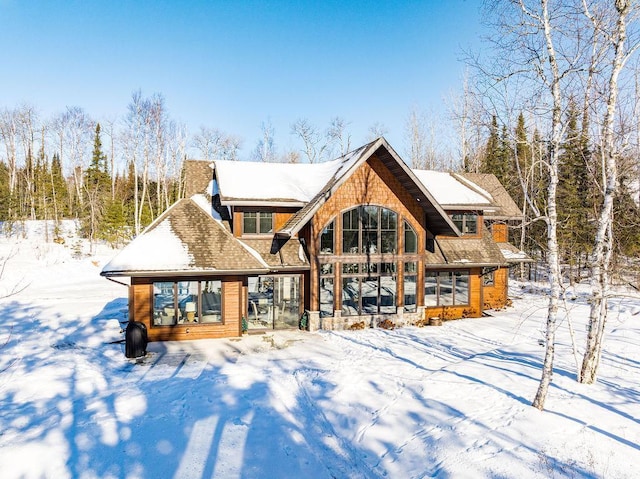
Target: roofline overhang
504	217
512	261
203	272
369	150
446	266
466	207
270	203
184	273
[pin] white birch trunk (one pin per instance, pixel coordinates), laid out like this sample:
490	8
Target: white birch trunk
602	248
552	216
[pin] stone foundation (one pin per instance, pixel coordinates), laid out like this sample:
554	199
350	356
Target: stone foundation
337	322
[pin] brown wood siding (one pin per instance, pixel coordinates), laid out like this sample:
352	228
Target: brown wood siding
373	184
472	310
280	217
232	311
500	232
495	296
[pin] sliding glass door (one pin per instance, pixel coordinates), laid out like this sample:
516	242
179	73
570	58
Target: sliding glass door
273	302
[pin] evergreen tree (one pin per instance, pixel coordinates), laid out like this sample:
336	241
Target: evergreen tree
97	174
97	188
575	233
59	190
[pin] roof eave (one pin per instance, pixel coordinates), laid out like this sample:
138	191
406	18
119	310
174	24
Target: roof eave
270	202
184	273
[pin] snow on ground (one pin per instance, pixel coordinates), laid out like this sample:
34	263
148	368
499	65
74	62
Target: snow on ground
447	402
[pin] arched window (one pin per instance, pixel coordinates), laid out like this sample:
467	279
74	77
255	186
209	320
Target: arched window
369	229
326	240
410	239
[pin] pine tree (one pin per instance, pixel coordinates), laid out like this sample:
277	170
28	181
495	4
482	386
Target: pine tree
97	174
575	234
97	190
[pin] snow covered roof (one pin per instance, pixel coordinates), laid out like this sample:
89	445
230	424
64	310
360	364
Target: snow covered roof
512	254
451	191
299	183
503	206
440	223
190	238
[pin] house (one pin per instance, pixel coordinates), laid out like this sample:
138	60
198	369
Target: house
356	241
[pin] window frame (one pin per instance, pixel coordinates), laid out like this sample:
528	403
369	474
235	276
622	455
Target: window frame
447	279
463	222
367	227
359	273
257	222
178	313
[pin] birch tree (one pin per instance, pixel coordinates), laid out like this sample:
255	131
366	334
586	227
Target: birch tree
338	135
265	150
315	146
9	137
536	52
612	23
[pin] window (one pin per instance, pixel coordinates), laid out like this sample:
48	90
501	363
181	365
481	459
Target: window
370	230
488	276
326	240
274	302
350	228
327	306
467	223
369	288
410	239
257	222
187	302
446	288
410	280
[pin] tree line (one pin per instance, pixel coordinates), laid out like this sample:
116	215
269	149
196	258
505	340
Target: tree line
117	175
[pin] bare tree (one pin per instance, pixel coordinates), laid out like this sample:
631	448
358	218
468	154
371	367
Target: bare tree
613	24
467	113
315	146
9	136
338	135
214	144
265	150
377	130
420	136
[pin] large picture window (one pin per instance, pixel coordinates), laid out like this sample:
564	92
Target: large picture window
446	288
187	302
359	272
369	229
369	288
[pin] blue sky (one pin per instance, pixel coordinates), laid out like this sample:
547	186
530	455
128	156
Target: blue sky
234	64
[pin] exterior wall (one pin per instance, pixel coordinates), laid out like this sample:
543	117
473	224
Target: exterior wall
472	310
374	184
500	232
495	296
280	216
141	304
